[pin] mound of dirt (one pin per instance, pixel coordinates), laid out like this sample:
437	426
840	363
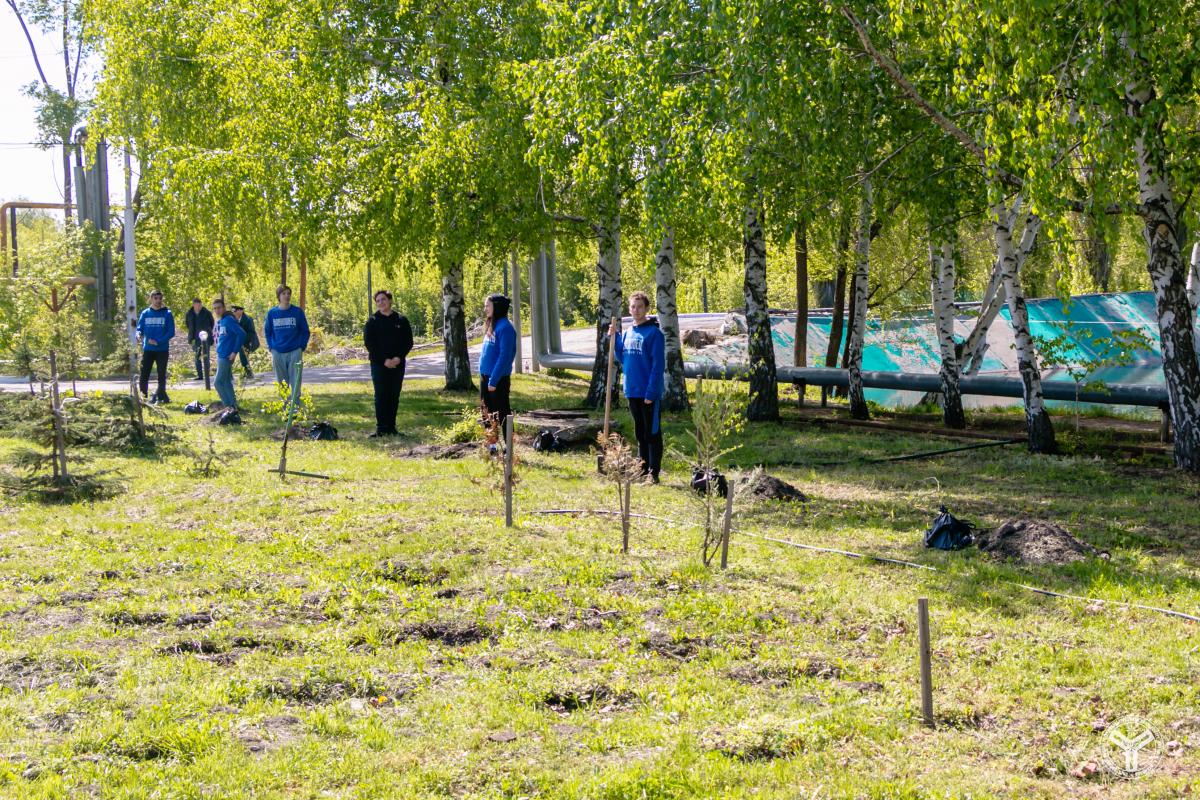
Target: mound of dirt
767	487
442	451
298	432
1033	541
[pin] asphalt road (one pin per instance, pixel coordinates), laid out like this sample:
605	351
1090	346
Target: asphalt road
426	363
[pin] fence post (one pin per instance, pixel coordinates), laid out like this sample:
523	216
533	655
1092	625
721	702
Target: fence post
508	471
926	669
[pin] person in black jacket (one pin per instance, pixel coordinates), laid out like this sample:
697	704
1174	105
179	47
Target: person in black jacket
199	319
252	342
388	338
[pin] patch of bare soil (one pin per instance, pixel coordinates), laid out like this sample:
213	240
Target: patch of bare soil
780	675
271	733
1032	541
441	451
684	649
566	699
454	633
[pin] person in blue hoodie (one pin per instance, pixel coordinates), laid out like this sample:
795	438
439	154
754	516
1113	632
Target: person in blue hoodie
286	331
156	329
642	352
496	358
229	340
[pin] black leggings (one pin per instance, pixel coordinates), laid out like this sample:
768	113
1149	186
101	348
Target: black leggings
495	403
649	434
388	382
154	358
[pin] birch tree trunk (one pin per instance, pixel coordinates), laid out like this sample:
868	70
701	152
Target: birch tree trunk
1168	276
941	289
1041	431
976	345
675	396
764	390
1193	280
454	327
800	339
608	268
858	322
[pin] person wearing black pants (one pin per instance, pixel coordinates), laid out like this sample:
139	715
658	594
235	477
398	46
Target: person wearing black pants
155	329
642	351
388	338
200	320
496	359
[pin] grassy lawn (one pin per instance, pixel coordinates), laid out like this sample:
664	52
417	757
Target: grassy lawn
382	635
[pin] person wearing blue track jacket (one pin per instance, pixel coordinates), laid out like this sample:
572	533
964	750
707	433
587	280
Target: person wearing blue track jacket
642	352
230	338
156	329
286	332
496	358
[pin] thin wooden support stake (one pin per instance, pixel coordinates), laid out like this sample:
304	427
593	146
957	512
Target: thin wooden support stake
508	471
926	668
725	530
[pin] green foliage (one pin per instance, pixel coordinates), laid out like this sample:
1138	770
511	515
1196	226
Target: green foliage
466	428
282	407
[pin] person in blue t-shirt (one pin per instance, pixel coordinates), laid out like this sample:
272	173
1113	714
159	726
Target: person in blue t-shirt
156	329
496	358
286	332
642	352
229	340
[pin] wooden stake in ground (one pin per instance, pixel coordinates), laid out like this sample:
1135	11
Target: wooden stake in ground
727	527
508	471
926	668
287	431
612	349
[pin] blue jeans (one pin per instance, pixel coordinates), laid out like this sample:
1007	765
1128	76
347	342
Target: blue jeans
224	383
285	368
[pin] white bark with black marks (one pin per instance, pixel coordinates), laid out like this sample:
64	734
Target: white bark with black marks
1168	276
1193	281
941	289
675	397
858	323
608	268
975	347
454	327
1041	431
764	388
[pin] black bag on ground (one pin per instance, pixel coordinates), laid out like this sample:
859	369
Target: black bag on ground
705	481
547	442
195	407
948	532
229	416
322	432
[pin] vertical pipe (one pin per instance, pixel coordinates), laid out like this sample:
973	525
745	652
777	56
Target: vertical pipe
926	669
303	279
704	294
370	293
553	316
535	334
516	311
12	216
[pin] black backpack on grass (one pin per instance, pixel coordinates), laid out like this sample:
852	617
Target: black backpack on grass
323	432
705	481
229	416
949	533
547	442
195	407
